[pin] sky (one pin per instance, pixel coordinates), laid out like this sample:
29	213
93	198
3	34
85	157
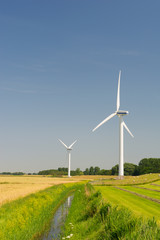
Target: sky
59	66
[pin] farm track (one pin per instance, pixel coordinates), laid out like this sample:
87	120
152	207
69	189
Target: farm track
139	195
150	189
154	184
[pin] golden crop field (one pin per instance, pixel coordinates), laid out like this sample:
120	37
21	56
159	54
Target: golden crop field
14	187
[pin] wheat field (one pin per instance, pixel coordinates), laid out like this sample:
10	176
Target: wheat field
14	187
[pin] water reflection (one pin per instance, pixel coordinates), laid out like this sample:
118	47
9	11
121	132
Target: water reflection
69	201
58	220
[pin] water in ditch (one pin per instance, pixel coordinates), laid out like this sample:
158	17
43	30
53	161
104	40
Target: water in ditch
58	220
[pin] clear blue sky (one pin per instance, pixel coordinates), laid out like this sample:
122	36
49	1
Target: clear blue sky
59	64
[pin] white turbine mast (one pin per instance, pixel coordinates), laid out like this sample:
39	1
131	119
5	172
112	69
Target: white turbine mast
120	114
69	154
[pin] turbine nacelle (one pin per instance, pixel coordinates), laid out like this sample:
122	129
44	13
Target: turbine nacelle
69	149
122	112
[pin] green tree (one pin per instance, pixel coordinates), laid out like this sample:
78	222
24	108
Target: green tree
105	172
78	172
149	165
129	169
115	169
96	171
91	171
86	172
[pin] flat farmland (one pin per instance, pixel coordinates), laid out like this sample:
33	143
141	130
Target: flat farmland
28	217
135	199
128	180
143	199
14	187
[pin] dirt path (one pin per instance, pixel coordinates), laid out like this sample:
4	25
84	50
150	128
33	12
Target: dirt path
139	195
150	189
154	184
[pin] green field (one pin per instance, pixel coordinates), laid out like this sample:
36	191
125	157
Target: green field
140	206
91	218
97	212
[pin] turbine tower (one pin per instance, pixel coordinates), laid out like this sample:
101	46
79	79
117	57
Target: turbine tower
69	154
120	114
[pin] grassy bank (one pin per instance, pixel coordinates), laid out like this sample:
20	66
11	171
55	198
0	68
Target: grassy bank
26	218
90	218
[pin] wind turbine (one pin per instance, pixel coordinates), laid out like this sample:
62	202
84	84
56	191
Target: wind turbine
69	154
120	114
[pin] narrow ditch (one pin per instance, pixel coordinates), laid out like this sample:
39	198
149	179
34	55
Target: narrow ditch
58	220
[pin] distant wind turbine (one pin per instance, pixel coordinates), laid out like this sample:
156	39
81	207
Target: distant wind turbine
69	154
122	124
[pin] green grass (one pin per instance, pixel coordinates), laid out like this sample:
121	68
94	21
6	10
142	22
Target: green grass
138	205
26	218
92	219
92	216
81	223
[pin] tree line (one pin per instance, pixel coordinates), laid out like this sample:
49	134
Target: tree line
61	172
12	173
146	165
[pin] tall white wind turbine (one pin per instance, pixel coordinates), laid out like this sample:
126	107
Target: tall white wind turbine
69	154
122	124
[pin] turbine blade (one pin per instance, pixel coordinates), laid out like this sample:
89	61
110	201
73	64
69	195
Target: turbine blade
105	120
72	144
127	129
63	143
118	92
